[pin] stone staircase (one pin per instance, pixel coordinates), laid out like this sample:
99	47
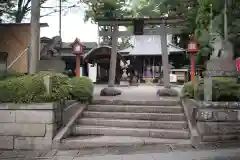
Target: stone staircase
127	124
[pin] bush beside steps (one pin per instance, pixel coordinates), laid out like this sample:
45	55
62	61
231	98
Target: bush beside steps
224	89
21	88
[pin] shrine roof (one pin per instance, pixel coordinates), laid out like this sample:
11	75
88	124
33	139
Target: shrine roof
102	52
89	45
149	45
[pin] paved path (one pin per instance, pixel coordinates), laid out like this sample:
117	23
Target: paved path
141	92
105	154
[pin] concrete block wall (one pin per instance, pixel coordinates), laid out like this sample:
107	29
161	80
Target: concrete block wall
218	121
29	126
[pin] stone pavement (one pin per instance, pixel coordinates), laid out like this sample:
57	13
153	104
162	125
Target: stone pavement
123	153
142	92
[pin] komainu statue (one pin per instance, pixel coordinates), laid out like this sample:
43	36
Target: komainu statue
51	48
222	56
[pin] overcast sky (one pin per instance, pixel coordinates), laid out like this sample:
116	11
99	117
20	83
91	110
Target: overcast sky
73	24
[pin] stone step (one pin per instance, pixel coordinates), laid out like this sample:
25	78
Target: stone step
136	109
139	116
81	142
136	132
133	123
167	101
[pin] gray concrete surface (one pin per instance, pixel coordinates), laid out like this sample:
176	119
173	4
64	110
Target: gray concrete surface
122	154
141	92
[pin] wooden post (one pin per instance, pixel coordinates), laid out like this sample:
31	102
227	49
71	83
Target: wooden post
77	66
165	61
192	63
113	61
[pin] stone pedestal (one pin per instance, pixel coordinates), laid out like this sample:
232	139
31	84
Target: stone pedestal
167	92
110	91
124	80
217	68
134	81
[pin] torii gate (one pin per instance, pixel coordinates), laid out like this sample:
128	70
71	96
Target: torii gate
138	24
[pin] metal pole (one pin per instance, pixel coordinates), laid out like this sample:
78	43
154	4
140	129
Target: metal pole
35	36
60	18
225	23
192	61
113	61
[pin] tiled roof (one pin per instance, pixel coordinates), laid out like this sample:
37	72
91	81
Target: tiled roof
86	44
149	45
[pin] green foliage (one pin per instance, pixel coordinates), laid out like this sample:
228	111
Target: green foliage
108	9
16	11
24	89
31	88
5	75
81	88
59	86
224	89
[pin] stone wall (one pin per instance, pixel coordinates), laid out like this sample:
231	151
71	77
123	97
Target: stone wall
30	126
218	121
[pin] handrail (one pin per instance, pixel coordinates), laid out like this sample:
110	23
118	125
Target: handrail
17	58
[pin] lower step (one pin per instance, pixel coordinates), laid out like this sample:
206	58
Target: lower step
127	123
136	132
138	116
116	141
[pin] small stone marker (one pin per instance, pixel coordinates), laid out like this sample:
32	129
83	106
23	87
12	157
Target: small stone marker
48	84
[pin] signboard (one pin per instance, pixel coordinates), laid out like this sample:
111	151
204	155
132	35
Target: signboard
92	72
173	78
237	63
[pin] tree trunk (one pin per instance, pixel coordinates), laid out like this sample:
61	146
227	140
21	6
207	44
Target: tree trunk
19	17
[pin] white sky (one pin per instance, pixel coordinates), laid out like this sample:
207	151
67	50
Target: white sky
73	24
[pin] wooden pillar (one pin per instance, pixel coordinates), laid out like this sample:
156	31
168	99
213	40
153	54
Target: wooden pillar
113	61
165	61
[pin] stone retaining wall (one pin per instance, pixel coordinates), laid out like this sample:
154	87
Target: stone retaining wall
218	121
212	122
30	126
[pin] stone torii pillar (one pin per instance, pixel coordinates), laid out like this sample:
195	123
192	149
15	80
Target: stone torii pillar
167	90
110	90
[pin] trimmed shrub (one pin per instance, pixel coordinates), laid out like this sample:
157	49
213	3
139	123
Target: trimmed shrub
31	88
59	86
5	75
24	89
224	89
81	88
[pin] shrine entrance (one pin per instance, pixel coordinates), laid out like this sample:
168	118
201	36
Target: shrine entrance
141	26
100	57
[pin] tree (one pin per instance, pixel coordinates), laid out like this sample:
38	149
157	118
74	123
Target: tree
20	9
110	9
4	6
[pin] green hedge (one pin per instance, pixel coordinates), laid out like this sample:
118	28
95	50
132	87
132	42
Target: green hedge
81	88
24	89
5	75
224	89
31	88
60	88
